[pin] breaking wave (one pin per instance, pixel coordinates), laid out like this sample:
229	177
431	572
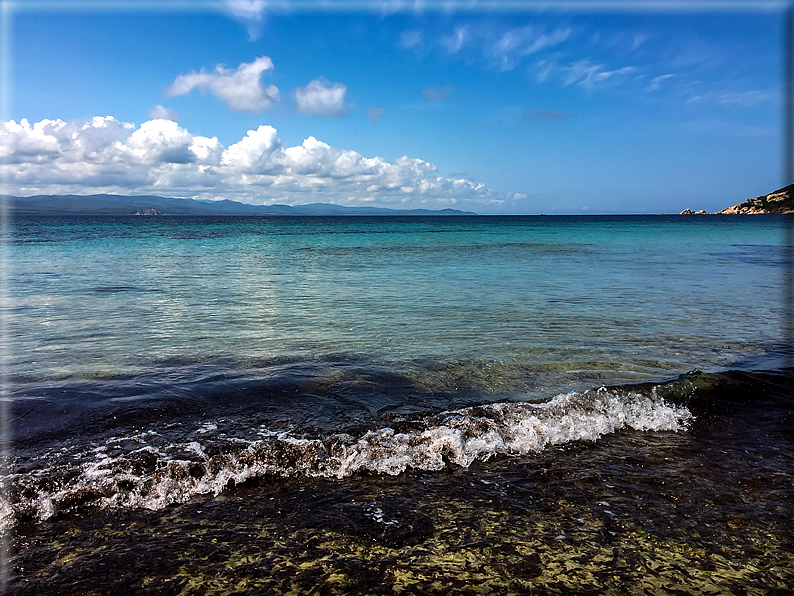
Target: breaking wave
149	469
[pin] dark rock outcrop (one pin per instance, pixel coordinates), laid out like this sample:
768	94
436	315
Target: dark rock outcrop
779	202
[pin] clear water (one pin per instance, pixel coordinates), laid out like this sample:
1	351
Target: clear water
339	405
630	297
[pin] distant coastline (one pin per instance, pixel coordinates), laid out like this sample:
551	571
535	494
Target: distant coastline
778	202
163	206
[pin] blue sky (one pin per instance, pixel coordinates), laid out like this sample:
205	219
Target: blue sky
626	109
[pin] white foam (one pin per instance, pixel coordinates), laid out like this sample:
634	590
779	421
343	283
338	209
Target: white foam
459	438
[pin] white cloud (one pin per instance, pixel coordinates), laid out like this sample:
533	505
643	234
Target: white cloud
68	142
499	46
160	141
240	89
656	82
738	99
159	156
747	99
250	13
545	69
515	44
322	99
590	76
254	153
159	112
455	42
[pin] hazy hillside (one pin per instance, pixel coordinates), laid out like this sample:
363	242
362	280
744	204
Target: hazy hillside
154	205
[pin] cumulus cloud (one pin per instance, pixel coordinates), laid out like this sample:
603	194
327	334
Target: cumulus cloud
253	153
159	156
240	88
322	99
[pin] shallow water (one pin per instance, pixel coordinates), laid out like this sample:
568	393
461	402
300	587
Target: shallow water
426	405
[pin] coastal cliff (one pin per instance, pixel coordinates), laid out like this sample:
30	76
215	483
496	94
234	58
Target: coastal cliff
779	201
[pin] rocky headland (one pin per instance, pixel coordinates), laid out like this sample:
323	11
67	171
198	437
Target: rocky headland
777	202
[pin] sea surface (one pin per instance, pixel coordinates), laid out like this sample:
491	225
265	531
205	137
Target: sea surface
397	405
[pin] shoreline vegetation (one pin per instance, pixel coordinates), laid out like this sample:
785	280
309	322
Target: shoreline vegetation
778	202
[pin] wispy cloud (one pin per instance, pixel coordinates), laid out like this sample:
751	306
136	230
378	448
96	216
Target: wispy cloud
741	99
511	46
637	41
498	46
515	44
240	88
454	42
590	76
656	82
412	39
724	128
545	68
585	73
250	13
322	99
747	99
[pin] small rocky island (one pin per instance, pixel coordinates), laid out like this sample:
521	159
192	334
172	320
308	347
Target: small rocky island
148	212
778	202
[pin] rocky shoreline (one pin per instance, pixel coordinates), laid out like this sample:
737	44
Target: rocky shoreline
779	202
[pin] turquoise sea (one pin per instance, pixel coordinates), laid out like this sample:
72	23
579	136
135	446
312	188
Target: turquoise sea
385	405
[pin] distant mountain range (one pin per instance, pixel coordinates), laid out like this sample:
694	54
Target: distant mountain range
155	206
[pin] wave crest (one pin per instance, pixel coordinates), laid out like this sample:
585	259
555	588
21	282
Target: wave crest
155	473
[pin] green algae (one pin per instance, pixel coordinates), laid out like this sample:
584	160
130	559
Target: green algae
634	513
472	549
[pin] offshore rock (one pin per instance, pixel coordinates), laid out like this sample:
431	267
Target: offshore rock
777	202
690	212
148	212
